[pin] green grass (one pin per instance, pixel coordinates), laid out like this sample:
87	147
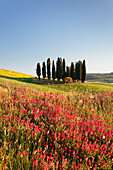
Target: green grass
13	79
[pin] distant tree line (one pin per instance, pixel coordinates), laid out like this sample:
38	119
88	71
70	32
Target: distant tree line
76	71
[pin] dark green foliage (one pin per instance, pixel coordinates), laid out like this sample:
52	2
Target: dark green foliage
64	73
83	71
44	70
78	69
48	68
38	70
72	71
74	76
67	71
53	71
59	69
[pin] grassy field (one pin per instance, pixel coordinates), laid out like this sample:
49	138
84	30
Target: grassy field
55	127
13	78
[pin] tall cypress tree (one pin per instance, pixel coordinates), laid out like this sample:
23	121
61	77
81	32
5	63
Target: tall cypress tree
59	68
64	73
38	70
48	68
72	71
79	70
53	71
76	71
83	71
44	70
74	75
67	71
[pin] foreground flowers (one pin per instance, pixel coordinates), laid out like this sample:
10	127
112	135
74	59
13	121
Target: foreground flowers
52	131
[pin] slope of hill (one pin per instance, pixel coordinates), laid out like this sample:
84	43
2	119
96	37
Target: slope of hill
91	77
14	74
14	79
99	77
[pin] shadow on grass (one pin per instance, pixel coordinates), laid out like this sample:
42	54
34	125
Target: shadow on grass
22	79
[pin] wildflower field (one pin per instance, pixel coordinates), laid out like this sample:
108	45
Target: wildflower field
51	131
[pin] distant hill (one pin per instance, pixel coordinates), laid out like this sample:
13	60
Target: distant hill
14	74
99	77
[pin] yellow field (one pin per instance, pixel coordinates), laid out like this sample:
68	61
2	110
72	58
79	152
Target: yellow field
9	73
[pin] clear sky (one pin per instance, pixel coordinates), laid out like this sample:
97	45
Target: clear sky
33	30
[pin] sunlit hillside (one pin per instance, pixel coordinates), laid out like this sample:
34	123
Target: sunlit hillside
23	80
10	73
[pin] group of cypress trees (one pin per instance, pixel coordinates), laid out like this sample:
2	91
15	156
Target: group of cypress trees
76	71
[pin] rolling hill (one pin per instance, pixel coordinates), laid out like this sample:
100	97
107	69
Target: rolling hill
94	83
99	77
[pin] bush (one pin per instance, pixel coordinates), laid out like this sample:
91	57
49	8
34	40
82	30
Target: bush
68	79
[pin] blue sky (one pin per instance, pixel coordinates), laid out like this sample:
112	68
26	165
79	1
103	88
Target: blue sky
33	30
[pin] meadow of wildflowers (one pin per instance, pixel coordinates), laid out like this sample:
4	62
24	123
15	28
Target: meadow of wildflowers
56	131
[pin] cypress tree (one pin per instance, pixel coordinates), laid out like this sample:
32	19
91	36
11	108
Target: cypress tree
53	71
64	73
48	68
76	71
74	76
38	70
59	66
79	70
72	71
83	71
67	71
44	70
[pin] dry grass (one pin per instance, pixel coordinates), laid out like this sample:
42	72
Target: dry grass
3	90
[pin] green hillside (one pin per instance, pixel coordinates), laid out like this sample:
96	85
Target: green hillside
12	78
14	75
